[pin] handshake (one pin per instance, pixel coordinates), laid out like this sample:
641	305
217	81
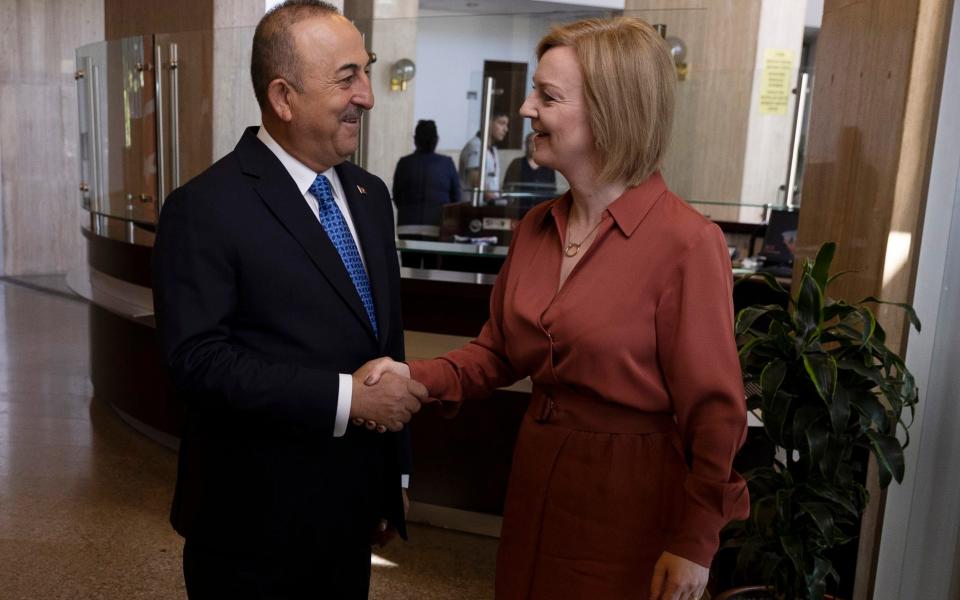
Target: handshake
384	396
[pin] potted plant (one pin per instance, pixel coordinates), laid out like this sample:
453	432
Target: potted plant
829	393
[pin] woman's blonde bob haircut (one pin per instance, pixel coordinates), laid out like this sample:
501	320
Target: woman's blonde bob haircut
629	83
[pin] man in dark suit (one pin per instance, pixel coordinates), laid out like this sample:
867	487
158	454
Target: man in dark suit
275	279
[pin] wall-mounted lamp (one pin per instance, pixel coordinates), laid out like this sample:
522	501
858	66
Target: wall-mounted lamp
401	73
678	50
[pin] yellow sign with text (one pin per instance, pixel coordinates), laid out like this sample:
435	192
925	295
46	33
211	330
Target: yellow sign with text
776	82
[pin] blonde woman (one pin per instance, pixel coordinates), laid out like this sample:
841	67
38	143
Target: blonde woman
616	301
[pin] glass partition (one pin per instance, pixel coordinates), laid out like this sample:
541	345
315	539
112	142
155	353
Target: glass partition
145	107
145	129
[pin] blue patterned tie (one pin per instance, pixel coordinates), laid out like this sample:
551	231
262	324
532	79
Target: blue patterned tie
336	227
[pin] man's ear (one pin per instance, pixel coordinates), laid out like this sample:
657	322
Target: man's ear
278	95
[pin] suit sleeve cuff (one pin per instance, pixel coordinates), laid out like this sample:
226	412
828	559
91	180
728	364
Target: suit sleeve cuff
344	400
405	481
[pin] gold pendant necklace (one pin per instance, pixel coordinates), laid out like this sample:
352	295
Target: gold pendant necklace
573	248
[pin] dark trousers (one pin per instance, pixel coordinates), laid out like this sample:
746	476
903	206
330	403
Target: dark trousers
338	572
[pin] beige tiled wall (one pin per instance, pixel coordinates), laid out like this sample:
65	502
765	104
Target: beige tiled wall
392	35
234	104
39	167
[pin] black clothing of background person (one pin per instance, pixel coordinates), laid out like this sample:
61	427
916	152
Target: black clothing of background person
424	181
519	172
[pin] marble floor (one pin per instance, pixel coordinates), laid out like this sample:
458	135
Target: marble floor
84	498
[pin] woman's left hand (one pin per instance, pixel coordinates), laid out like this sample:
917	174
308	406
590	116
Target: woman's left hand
676	578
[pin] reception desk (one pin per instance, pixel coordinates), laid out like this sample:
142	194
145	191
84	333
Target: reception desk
461	464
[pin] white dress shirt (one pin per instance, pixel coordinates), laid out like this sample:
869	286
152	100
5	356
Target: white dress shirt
304	176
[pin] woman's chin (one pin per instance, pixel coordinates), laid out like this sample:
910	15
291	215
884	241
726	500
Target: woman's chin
544	159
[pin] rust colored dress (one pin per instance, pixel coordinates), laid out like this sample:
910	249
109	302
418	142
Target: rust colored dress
637	407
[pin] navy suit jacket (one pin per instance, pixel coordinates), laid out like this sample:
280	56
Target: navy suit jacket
422	183
256	317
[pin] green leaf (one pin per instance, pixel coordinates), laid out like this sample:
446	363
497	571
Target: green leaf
771	563
840	408
871	375
785	505
832	458
746	317
867	404
816	581
911	313
806	427
869	323
808	314
750	346
821	515
889	455
749	315
764	513
793	548
769	279
771	377
782	336
894	399
822	370
829	493
775	412
821	266
839	275
747	556
836	309
909	389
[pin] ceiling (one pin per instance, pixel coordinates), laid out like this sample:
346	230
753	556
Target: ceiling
516	7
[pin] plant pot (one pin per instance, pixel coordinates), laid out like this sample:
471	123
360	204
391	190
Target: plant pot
749	592
754	592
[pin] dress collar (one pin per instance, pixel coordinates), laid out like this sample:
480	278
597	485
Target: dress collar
627	211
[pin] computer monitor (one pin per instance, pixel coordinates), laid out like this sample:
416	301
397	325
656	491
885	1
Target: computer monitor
780	241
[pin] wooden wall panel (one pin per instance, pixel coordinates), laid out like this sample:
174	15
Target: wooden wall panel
856	125
879	69
124	18
705	159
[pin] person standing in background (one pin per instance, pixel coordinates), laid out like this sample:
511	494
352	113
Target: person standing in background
423	182
470	157
524	171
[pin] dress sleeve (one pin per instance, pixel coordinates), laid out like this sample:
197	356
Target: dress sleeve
698	355
479	367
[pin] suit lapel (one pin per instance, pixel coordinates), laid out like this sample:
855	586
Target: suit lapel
279	192
362	202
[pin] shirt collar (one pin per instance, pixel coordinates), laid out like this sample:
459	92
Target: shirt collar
627	211
301	174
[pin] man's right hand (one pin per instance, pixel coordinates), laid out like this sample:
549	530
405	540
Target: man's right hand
390	403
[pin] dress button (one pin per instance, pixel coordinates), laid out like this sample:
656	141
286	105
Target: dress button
546	409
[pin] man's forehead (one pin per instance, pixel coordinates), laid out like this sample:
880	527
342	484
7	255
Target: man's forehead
332	39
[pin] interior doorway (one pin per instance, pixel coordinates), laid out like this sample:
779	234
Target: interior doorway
510	89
